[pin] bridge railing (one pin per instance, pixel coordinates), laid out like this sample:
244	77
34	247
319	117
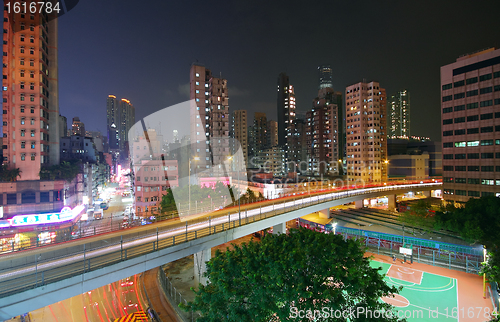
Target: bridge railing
28	272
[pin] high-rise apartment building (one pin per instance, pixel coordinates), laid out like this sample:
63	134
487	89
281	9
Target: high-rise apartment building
77	127
324	133
239	132
272	130
297	156
325	77
63	126
286	114
260	128
120	118
470	115
209	120
30	93
399	115
366	136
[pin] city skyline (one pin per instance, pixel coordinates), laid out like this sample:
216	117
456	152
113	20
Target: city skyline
255	54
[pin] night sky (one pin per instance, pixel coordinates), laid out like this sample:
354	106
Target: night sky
142	51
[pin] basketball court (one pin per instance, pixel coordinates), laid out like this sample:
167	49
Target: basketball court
432	293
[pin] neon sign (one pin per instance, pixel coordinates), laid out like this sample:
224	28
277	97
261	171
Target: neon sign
65	214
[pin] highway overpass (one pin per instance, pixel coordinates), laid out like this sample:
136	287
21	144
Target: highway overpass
39	277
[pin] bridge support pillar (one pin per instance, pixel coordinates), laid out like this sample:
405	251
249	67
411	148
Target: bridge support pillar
358	204
325	213
200	267
391	202
279	228
427	194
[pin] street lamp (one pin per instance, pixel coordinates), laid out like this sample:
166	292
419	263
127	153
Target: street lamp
484	273
230	158
189	183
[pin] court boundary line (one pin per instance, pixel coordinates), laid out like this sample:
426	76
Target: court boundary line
398	268
427	290
375	260
454	282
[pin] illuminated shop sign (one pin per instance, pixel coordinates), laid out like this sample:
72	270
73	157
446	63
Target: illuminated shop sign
35	219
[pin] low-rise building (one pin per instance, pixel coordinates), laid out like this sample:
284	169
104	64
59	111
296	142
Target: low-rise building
409	166
152	178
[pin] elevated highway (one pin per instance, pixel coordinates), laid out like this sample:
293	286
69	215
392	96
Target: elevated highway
36	278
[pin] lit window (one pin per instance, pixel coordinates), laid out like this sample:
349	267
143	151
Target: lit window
197	75
197	83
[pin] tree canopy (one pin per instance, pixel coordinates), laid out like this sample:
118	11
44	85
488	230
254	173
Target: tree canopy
477	222
7	174
66	170
418	216
282	275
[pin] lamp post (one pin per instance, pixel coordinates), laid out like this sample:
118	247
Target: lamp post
189	183
484	274
230	158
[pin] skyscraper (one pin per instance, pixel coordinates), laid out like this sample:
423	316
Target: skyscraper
366	138
399	114
77	127
324	133
30	93
325	76
272	130
120	118
239	132
470	108
63	126
260	128
210	134
286	114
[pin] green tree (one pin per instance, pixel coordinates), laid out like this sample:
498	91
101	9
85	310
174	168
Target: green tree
167	202
306	270
66	170
477	222
9	175
418	217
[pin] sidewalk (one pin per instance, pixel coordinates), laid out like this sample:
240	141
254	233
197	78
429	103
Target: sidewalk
157	299
181	274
